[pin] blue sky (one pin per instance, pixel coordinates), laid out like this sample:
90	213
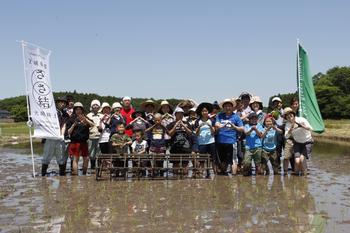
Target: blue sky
205	50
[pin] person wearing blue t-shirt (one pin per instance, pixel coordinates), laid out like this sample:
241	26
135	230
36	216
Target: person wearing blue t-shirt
269	145
253	146
205	130
228	124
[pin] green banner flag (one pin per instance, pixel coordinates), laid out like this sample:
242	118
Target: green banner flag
308	102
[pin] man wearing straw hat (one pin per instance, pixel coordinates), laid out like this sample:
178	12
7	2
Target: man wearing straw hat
228	124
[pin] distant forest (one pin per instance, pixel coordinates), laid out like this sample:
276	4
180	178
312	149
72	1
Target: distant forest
332	91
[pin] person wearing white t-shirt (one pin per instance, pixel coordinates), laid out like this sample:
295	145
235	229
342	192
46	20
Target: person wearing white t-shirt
299	129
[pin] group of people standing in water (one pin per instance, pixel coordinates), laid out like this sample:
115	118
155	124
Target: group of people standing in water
239	136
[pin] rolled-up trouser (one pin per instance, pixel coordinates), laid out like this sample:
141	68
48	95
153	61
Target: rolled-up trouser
252	154
54	148
93	147
269	156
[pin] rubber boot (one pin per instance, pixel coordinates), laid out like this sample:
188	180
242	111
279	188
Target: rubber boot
62	169
71	165
85	166
92	164
44	168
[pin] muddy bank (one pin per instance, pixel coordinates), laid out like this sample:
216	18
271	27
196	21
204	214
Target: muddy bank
317	203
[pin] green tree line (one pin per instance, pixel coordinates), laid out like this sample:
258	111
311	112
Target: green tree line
17	106
332	91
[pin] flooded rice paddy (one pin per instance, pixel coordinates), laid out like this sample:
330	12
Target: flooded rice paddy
319	202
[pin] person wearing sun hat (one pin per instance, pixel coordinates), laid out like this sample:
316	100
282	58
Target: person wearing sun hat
166	110
94	137
186	105
181	134
149	107
205	131
277	112
104	128
253	131
165	107
78	129
299	129
257	106
227	125
116	117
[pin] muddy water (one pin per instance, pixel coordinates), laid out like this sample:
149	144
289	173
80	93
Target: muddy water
317	203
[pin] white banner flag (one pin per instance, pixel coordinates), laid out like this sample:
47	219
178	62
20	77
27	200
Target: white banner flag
43	111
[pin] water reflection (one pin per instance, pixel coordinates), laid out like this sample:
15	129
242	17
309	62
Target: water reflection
239	204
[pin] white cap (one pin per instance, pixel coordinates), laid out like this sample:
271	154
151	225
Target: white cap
95	102
126	98
276	99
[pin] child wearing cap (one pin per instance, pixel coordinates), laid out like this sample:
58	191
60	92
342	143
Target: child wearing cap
269	144
254	132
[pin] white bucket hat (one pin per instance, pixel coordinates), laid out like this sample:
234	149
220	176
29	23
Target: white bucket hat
78	105
116	105
105	105
95	102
